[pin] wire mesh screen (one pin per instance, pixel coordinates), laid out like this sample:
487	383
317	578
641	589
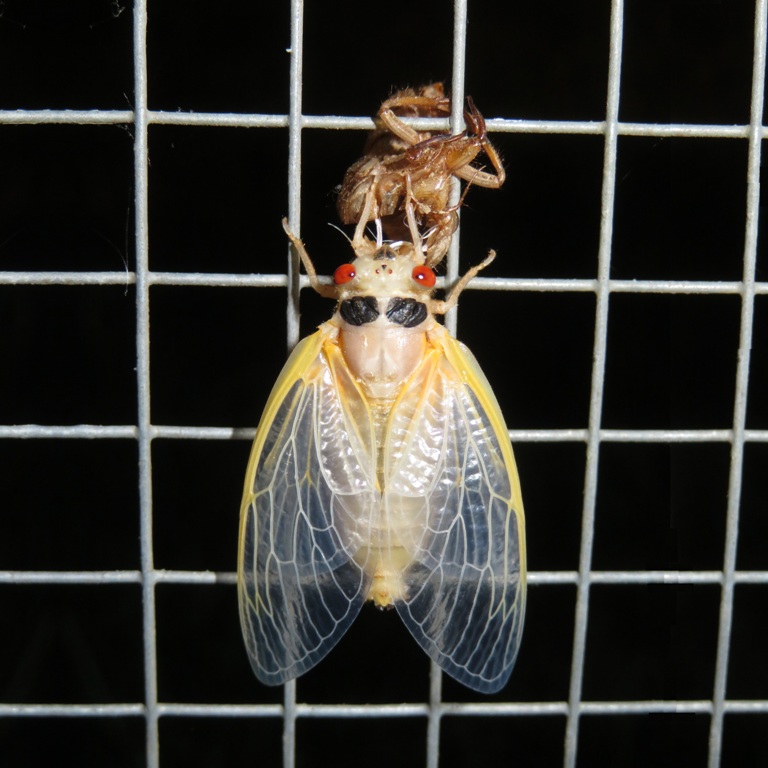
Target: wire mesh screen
148	301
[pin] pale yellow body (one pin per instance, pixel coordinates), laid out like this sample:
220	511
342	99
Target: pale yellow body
383	357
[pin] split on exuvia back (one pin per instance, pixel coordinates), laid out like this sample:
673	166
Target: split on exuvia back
382	468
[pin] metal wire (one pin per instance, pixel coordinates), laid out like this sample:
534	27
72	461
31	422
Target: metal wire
343	122
598	381
144	431
742	383
141	182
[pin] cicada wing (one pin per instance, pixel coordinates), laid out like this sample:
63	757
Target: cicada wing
309	495
449	463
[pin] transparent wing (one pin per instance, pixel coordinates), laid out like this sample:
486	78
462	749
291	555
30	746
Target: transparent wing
309	495
452	500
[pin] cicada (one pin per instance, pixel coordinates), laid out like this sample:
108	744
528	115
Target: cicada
382	470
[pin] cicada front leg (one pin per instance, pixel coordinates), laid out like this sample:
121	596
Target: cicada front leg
477	132
327	291
442	307
430	101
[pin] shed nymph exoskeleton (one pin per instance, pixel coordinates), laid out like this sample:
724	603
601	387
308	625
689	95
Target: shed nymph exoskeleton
382	470
404	178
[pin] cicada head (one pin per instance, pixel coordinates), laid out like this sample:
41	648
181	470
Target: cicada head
389	269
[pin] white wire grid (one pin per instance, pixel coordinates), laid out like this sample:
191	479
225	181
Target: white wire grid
144	431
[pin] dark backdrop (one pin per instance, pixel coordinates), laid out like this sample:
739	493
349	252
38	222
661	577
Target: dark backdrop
216	196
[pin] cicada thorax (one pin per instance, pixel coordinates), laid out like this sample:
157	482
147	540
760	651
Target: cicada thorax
383	322
383	316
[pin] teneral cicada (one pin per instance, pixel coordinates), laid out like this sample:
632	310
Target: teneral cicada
382	470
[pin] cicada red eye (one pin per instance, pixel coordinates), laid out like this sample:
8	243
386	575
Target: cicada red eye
344	274
424	276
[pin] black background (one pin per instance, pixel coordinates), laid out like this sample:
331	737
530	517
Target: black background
216	196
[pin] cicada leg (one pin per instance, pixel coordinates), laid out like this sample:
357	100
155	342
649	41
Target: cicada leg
484	179
361	244
440	234
422	105
410	214
441	307
327	291
476	125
